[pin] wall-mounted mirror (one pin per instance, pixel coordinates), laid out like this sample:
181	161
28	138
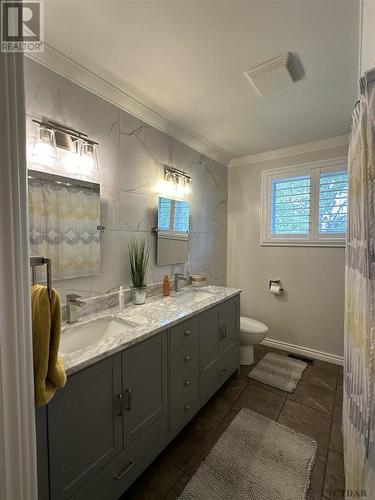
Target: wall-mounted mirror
64	223
172	231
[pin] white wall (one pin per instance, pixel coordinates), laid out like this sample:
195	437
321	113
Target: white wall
367	35
311	313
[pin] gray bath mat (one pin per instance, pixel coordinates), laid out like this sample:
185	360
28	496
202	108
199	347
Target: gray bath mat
255	459
279	371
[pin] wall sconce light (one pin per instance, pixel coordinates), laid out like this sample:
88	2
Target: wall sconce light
88	157
50	135
44	149
176	183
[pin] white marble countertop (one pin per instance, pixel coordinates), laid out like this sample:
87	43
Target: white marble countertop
156	315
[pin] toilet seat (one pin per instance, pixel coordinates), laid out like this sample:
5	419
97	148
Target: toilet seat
248	325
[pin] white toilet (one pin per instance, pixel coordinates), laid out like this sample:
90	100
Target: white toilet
251	333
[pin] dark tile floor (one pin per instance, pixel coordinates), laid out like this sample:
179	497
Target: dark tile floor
313	409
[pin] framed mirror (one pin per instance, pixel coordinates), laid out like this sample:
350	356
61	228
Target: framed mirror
64	223
172	231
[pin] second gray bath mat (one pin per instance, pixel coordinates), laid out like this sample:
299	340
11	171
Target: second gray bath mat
255	459
279	371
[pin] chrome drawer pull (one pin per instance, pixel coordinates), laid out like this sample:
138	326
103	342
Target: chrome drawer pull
223	332
187	382
187	357
222	372
125	471
187	333
119	400
187	407
129	395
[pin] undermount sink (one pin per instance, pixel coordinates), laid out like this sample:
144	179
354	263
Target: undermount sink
77	337
192	296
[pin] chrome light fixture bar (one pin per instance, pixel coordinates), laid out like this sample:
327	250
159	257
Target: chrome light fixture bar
51	135
176	181
61	130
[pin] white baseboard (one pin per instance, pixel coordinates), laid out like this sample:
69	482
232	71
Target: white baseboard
304	351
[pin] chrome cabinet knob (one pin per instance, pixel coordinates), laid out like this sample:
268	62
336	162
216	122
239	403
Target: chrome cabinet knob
187	333
187	382
187	407
187	357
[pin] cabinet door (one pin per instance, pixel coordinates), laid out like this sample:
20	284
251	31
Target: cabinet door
84	426
42	452
229	325
144	369
209	339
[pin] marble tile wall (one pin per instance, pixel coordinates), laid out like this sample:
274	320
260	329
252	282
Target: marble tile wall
131	155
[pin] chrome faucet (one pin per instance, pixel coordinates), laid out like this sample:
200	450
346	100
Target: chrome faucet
72	305
180	277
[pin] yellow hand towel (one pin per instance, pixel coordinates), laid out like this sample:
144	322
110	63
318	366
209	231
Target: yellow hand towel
49	372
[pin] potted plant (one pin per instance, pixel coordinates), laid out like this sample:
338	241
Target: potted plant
139	253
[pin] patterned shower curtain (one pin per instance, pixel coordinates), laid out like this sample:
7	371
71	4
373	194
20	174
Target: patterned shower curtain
359	366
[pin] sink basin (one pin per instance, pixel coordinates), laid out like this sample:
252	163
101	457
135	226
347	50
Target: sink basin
78	337
192	296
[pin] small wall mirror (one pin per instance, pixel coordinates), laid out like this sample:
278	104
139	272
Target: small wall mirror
64	223
172	231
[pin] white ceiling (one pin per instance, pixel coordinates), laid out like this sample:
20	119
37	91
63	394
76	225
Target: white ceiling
185	60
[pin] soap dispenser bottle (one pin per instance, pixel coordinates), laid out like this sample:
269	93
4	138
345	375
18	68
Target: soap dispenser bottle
166	286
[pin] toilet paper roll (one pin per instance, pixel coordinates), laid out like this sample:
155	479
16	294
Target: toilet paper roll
276	289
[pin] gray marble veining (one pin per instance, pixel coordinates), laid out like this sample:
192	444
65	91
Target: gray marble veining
132	154
158	314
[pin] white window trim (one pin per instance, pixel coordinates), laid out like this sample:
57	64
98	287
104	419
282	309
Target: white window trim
312	239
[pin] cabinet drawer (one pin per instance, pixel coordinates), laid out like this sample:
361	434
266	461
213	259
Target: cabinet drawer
186	385
184	359
123	470
182	334
184	410
219	371
229	363
210	380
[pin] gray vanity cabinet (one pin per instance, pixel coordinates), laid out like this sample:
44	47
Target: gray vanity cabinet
102	410
219	345
209	326
144	378
228	326
100	432
84	426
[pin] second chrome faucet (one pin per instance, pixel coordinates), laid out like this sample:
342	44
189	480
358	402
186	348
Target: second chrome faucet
180	277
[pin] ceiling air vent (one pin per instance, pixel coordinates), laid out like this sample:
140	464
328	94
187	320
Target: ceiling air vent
272	76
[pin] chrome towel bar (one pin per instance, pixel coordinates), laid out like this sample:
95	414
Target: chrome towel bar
41	261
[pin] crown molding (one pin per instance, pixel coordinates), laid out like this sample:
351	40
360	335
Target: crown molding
332	142
75	72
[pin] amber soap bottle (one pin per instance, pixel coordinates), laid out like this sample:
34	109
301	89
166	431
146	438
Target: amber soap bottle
166	286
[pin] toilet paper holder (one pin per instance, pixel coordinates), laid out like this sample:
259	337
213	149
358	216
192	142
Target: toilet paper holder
276	282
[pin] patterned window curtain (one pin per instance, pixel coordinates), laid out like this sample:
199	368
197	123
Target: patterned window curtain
63	227
359	400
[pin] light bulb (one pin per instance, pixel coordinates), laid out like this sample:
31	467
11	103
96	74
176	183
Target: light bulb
88	160
44	149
